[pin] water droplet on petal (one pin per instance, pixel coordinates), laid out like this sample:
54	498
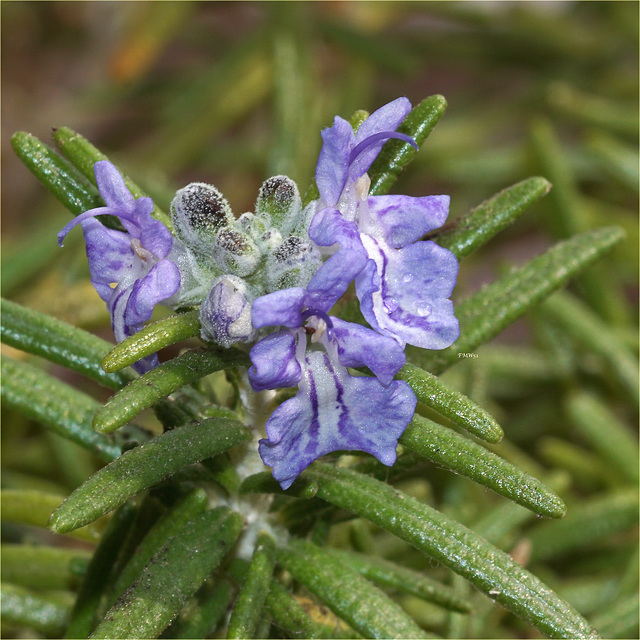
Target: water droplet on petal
407	277
390	304
424	310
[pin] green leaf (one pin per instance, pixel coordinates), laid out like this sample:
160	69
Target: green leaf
264	482
167	583
350	596
586	469
146	465
605	433
59	342
452	451
452	404
46	614
291	617
25	258
55	404
81	351
501	522
490	310
594	110
395	576
85	609
490	570
476	228
168	526
586	523
591	332
619	160
41	567
35	508
84	156
395	154
569	216
201	617
249	605
162	381
620	620
151	339
55	173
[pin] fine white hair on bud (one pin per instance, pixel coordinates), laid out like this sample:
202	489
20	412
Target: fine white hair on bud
199	212
279	200
236	253
292	264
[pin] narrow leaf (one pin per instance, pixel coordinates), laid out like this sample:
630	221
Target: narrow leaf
151	339
59	176
35	508
27	258
590	331
201	617
350	596
160	382
41	567
146	465
81	351
59	342
569	215
55	404
461	455
477	227
25	608
450	403
84	155
618	159
395	154
292	618
395	576
605	433
620	620
585	524
490	570
166	584
169	525
247	610
264	482
594	110
490	310
85	609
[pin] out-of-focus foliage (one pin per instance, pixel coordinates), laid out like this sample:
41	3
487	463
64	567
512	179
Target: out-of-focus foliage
231	93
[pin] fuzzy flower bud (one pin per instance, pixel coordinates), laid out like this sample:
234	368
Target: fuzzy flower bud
292	264
280	200
198	212
225	315
235	252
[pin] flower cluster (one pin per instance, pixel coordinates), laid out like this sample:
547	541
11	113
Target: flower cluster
270	278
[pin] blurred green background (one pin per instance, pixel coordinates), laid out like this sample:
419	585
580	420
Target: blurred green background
233	92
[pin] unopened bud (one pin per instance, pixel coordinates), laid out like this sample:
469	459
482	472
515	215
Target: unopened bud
292	264
251	224
235	252
198	212
225	315
280	200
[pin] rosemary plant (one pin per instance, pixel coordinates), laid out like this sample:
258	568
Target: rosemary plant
333	449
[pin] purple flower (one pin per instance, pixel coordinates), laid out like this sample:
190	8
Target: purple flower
129	270
403	284
332	410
